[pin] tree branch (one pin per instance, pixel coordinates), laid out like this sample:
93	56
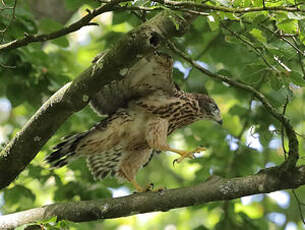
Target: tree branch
213	189
293	154
66	30
258	52
204	7
75	96
187	7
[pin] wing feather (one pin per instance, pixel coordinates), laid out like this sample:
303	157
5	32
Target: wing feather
151	73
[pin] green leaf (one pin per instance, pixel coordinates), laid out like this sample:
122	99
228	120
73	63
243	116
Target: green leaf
121	28
62	41
302	31
252	73
255	17
76	4
280	96
17	194
226	3
120	17
297	78
53	219
289	26
35	171
213	22
225	72
47	25
276	81
295	16
238	110
258	34
14	93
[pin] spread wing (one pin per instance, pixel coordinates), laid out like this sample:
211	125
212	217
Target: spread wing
151	73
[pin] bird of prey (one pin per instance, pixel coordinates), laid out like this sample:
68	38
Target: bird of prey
143	109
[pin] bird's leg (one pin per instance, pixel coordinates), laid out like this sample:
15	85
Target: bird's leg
139	188
184	154
135	184
156	137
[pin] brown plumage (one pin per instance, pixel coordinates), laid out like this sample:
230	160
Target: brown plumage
144	109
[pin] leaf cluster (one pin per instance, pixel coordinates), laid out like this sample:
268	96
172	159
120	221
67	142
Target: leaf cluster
261	49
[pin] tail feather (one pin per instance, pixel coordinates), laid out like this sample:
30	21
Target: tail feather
65	151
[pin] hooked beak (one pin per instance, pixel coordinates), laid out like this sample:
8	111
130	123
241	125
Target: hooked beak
220	122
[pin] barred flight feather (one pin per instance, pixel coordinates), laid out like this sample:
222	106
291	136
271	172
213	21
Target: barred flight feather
103	164
65	150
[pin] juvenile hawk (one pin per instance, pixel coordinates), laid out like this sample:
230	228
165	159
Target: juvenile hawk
143	109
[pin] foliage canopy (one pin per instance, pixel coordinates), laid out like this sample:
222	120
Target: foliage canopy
263	48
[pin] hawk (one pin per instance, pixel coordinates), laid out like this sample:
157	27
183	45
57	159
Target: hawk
143	109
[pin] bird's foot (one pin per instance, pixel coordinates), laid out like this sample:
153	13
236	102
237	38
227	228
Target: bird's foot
146	188
150	188
189	154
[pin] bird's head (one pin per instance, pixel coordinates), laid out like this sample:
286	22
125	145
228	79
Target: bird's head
208	108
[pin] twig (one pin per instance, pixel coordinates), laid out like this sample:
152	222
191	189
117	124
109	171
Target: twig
283	131
193	12
104	1
142	8
10	22
5	7
7	66
301	53
278	60
157	8
293	141
299	205
300	58
282	37
257	50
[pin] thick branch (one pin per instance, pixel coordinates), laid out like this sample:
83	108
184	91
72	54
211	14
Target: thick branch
292	138
75	96
214	189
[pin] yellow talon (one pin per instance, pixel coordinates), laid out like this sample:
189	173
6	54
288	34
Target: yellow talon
190	154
